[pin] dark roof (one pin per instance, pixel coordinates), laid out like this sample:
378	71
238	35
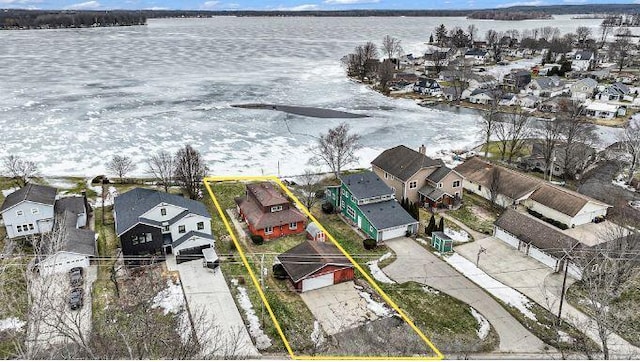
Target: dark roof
129	206
431	192
563	200
260	219
386	214
441	235
403	162
310	256
74	204
532	231
584	54
365	184
440	173
31	192
512	184
81	241
266	194
475	52
188	235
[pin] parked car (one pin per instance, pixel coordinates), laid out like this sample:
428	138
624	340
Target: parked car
75	276
75	298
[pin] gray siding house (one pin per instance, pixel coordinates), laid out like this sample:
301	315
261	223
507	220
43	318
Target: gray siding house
29	211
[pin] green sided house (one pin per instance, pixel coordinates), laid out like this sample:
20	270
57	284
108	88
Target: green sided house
367	202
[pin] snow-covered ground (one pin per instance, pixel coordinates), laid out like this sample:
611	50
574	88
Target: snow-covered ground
262	340
317	336
11	323
483	324
380	309
503	292
621	180
171	300
457	235
377	273
499	71
9	191
112	192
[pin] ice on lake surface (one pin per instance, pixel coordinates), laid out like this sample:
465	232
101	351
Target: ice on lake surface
72	98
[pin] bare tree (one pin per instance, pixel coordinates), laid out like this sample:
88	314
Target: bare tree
495	184
582	34
550	134
20	170
362	63
605	29
631	140
391	46
121	165
460	81
336	149
190	169
620	49
161	166
579	135
501	132
606	270
385	75
489	119
472	30
519	131
309	185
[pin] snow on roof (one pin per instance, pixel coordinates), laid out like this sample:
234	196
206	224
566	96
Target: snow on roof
602	107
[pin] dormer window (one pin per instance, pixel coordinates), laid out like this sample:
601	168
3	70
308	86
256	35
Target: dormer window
163	211
276	208
19	213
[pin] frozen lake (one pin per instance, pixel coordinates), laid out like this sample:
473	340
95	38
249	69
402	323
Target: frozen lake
70	99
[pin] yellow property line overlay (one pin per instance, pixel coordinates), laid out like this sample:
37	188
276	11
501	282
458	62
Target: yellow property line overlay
370	280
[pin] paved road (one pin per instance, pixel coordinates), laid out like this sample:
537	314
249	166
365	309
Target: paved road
207	293
414	263
540	284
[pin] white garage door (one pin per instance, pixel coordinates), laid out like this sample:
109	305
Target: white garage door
317	282
507	238
545	259
393	233
63	264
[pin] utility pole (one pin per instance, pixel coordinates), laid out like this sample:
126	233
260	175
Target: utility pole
480	251
104	194
262	287
564	283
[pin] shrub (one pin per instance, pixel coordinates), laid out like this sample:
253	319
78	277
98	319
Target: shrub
369	244
279	272
257	239
431	227
327	208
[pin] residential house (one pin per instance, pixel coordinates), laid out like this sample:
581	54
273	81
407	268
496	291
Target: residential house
414	176
476	56
437	57
427	86
447	76
366	201
450	93
484	81
605	110
626	78
546	87
406	77
583	89
508	99
583	60
313	265
481	96
528	101
615	92
150	222
516	80
539	240
511	188
29	211
581	156
551	105
268	213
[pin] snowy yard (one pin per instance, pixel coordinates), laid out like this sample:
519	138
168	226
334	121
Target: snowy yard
378	274
483	324
262	340
171	300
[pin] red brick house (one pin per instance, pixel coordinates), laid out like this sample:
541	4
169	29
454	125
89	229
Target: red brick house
314	264
268	213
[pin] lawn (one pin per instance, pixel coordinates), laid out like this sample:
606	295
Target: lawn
493	148
446	321
13	296
103	289
476	212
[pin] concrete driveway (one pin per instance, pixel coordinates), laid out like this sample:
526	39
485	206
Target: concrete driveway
540	284
338	307
414	263
208	294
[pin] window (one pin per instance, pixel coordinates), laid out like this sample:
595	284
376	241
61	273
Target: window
166	228
350	212
440	185
371	228
293	226
276	208
19	228
30	226
393	189
163	211
413	184
268	230
35	211
200	225
456	184
479	187
181	229
386	175
353	199
19	213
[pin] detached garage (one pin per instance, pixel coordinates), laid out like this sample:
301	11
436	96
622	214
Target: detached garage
536	239
314	264
78	248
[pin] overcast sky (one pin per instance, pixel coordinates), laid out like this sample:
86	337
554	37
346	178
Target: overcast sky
277	4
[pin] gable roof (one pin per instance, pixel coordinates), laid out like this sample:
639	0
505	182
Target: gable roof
583	55
587	82
512	184
74	204
365	184
386	214
31	192
260	219
310	256
530	230
266	194
563	200
440	173
129	206
80	241
475	52
403	162
189	235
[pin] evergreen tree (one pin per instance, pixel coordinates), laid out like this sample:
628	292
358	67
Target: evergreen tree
416	211
441	34
431	227
431	39
441	225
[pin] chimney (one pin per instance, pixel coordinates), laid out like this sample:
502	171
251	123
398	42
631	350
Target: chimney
422	149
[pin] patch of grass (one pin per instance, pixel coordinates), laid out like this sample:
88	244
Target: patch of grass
494	147
81	186
467	216
447	321
14	285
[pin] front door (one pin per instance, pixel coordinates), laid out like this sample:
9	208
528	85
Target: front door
359	222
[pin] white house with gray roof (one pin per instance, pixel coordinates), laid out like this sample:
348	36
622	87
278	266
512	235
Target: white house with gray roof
29	211
583	89
583	60
150	222
368	203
